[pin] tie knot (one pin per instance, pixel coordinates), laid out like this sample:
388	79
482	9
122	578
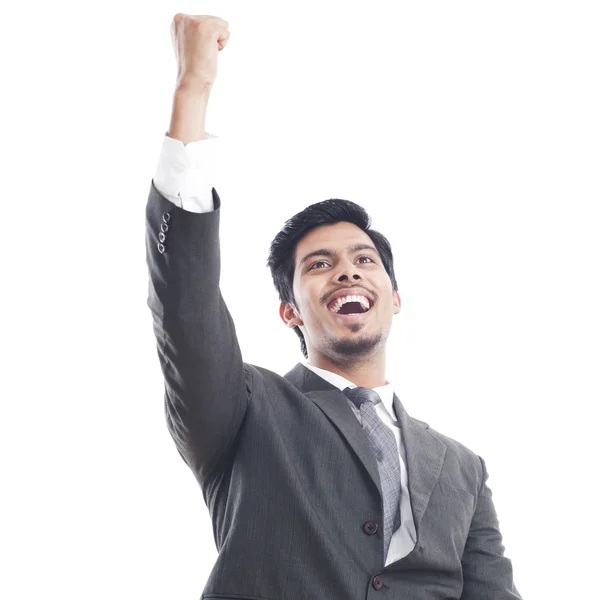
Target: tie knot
358	395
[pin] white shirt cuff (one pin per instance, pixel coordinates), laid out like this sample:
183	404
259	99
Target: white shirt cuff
185	174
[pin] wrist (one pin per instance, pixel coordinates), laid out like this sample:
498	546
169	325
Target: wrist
188	116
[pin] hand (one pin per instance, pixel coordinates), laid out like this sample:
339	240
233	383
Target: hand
197	39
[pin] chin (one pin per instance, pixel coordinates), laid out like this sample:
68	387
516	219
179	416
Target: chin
356	346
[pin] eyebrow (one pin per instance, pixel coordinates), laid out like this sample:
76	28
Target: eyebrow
327	252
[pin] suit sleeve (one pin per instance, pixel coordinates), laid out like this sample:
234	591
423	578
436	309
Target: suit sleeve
487	573
207	386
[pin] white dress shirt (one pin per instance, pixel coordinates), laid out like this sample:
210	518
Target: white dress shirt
185	175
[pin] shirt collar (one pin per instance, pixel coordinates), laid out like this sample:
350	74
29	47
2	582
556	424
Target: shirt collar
386	392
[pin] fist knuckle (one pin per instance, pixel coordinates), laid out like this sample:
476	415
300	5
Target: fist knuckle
194	37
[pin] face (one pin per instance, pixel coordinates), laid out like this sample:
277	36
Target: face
333	262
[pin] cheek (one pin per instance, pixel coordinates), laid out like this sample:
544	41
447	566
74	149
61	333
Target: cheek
313	311
299	300
308	300
386	298
306	307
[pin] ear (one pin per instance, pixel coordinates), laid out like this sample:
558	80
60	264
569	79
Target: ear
289	315
396	301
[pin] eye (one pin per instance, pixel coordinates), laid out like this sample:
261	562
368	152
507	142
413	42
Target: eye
319	262
367	257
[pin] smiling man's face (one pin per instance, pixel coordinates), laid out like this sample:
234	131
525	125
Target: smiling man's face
333	262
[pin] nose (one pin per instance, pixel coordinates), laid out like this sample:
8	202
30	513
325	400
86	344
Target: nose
349	273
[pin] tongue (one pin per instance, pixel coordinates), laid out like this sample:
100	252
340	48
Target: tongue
351	307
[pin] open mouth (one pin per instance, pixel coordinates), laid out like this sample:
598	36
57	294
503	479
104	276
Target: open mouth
350	305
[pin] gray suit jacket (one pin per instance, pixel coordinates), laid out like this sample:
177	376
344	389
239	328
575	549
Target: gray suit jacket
284	466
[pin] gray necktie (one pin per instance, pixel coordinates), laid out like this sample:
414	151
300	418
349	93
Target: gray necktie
385	448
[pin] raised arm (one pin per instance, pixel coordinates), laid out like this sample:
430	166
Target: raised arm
207	387
197	40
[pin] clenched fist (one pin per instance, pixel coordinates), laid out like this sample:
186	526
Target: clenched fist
197	39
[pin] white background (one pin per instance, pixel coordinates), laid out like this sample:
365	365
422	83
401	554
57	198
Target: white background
469	131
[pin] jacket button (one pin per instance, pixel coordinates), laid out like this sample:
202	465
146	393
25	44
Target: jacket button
161	236
166	217
370	527
164	227
161	248
377	582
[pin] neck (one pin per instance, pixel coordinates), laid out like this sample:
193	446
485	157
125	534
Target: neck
363	372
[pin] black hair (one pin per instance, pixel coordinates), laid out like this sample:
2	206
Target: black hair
327	212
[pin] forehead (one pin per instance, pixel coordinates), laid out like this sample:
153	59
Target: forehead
336	237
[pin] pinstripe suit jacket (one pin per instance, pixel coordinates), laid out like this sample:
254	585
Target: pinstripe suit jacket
284	466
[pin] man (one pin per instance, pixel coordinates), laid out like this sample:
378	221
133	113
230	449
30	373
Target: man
319	484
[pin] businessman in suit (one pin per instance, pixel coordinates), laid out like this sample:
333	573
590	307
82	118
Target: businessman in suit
318	483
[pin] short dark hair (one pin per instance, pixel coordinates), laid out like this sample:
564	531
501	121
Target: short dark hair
327	212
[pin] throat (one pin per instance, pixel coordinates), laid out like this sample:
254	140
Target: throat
351	308
363	373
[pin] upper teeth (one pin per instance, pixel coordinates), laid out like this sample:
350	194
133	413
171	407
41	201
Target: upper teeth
335	307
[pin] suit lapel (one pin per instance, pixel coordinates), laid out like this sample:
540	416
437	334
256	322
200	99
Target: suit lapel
424	459
333	402
424	452
335	405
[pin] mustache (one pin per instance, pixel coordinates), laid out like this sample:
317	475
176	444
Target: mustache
356	288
